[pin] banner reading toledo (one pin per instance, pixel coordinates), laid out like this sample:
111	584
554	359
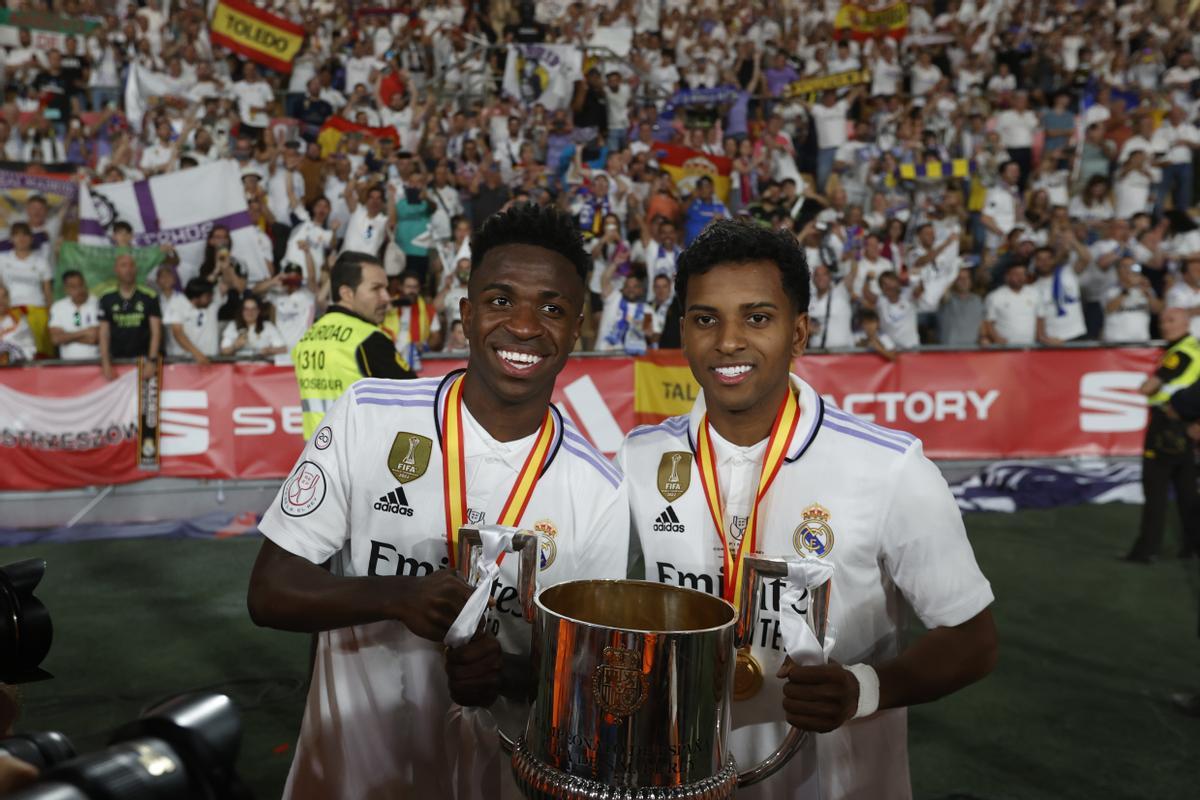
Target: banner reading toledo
249	31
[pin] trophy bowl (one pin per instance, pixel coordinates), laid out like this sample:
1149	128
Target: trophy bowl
634	683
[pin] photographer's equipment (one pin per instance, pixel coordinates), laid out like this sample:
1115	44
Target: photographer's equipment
43	750
25	628
182	749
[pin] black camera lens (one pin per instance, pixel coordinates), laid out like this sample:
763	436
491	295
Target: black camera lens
25	628
49	791
138	769
43	750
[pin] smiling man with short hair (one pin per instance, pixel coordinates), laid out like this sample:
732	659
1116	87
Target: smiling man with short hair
762	465
381	490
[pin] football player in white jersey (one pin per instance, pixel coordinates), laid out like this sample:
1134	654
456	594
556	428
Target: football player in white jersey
380	492
828	486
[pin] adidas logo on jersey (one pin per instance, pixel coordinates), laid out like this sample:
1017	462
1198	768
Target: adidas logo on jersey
394	502
668	522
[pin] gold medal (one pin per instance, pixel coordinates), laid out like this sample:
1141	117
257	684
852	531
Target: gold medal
747	675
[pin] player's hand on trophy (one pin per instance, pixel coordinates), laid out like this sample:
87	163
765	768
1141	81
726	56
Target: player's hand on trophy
434	603
474	671
818	698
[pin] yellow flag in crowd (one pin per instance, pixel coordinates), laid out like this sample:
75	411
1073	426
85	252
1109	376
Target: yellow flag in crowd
251	32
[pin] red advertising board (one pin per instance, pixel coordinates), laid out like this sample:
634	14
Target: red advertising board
243	420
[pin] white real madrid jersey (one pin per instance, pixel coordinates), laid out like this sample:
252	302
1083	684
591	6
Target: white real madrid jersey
367	494
856	494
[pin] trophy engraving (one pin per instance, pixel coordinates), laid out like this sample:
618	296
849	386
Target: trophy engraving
618	684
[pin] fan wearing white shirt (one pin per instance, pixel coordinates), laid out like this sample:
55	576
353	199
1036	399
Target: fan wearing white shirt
295	306
191	319
829	118
16	337
627	319
1002	205
160	157
829	312
1177	140
925	75
362	67
1134	182
896	306
1185	294
29	278
285	194
254	98
1060	304
310	242
366	232
1003	81
1010	312
864	275
372	493
75	320
1129	305
858	496
251	334
1016	127
935	265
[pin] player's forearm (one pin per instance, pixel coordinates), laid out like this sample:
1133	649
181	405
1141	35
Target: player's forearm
290	593
942	661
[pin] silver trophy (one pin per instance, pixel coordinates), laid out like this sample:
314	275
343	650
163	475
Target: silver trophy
635	684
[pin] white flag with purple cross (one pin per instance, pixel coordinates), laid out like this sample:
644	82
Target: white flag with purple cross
180	209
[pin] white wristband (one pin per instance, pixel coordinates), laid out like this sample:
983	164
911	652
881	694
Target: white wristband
868	689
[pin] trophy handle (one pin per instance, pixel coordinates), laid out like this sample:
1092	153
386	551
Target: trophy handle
525	544
817	619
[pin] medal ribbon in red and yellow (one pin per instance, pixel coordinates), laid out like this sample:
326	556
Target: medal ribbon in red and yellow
786	420
454	470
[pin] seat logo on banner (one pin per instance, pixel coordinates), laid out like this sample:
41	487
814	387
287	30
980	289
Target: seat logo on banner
1109	402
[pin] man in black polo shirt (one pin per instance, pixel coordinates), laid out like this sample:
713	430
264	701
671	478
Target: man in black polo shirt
130	319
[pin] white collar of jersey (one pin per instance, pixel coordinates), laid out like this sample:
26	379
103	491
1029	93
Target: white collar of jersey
471	447
727	452
812	412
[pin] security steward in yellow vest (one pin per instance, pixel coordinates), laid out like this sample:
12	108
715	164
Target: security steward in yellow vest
346	343
1169	458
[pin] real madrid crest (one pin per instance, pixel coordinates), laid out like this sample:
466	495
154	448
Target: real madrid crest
814	537
674	474
547	549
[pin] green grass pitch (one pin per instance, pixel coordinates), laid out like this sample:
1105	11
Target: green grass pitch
1089	649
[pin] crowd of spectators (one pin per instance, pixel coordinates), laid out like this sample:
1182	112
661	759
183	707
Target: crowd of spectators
1005	173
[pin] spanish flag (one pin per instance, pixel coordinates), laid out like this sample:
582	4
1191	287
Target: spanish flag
856	22
686	166
249	31
335	127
